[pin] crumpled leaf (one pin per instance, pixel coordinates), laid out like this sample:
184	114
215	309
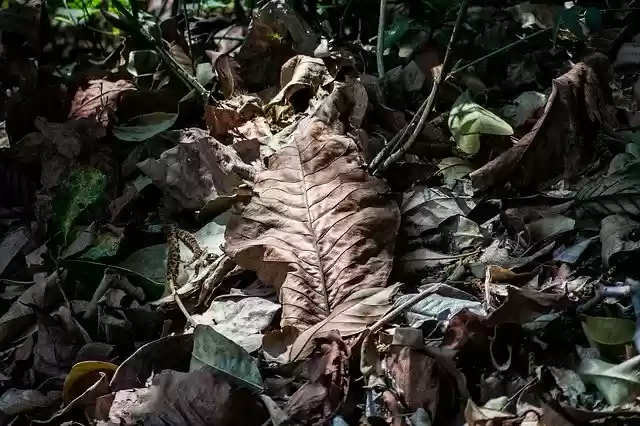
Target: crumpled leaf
317	401
275	33
11	245
326	227
83	187
302	73
145	126
468	120
197	170
215	353
361	309
481	416
240	321
98	99
44	294
524	305
563	138
276	344
618	383
440	306
196	398
618	245
424	208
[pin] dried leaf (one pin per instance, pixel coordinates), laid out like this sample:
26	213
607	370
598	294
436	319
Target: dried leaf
616	193
82	375
523	305
454	168
98	100
563	138
618	244
609	334
618	383
302	73
11	246
361	309
523	108
326	227
197	170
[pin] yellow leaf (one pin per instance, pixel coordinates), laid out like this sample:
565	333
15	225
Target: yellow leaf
82	376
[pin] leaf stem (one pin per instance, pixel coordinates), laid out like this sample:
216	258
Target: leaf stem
114	267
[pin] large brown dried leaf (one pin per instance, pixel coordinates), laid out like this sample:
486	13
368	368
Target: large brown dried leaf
563	139
319	227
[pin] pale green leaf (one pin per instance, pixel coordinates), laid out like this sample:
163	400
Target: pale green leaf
618	383
468	120
142	62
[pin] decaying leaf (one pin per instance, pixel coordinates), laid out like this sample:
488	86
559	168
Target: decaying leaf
618	245
563	138
618	383
98	99
318	228
302	73
11	246
197	169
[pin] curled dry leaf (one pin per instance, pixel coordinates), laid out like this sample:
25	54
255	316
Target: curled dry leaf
299	73
98	99
563	138
197	170
318	228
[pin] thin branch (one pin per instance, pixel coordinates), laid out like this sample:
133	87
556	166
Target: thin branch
188	31
184	311
430	102
380	41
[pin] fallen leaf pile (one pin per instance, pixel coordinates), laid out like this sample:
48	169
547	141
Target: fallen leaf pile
217	214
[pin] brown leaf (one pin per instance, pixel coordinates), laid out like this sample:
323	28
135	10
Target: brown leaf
563	139
194	398
319	226
230	114
197	170
522	306
227	71
98	99
275	34
319	399
299	73
361	309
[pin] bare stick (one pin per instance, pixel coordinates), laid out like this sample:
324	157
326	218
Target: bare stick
434	90
184	311
406	305
380	41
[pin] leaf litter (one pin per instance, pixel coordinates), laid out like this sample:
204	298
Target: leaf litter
240	213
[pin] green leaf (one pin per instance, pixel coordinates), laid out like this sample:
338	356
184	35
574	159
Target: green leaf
142	62
593	19
204	73
397	30
149	262
212	351
569	20
468	120
106	245
145	126
83	187
618	383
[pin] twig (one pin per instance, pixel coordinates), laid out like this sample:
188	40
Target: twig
184	311
496	52
188	31
380	41
406	305
430	101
